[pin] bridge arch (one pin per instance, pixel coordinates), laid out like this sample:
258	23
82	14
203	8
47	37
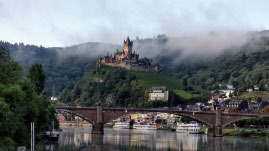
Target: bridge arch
234	120
111	115
240	118
76	114
196	119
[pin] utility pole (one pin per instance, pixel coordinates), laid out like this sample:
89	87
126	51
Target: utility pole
32	136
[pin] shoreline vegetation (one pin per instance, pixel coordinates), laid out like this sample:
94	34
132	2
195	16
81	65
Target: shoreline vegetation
246	132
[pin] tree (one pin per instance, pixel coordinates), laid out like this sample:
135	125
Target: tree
4	55
37	76
20	103
146	61
243	57
185	82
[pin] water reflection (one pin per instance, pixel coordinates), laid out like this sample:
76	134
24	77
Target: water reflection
81	139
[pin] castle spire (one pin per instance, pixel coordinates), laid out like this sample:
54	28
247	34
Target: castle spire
127	47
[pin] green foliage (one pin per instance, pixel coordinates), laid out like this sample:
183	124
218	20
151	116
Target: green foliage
257	122
9	70
149	79
114	87
146	61
241	70
185	82
185	95
118	87
20	104
255	95
37	76
65	73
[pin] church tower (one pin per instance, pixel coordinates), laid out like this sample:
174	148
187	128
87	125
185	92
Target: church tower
127	47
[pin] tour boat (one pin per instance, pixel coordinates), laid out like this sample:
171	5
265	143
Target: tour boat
122	125
145	126
191	128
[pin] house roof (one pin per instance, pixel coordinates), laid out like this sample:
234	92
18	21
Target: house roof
236	102
230	87
162	88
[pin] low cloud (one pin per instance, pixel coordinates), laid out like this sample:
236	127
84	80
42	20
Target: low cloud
201	47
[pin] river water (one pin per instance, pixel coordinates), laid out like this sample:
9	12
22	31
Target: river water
81	139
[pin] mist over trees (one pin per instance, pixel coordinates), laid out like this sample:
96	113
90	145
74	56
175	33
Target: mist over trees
216	60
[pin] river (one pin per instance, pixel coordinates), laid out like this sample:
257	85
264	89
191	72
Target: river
81	139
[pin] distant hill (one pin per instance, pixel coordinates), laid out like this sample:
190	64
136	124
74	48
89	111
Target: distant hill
63	66
206	65
113	86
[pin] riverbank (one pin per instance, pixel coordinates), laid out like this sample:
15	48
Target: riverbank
74	123
246	132
165	129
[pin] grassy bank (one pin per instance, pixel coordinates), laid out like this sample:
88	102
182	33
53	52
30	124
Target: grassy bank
246	132
164	129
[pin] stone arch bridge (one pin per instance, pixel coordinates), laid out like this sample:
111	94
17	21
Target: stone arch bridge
98	116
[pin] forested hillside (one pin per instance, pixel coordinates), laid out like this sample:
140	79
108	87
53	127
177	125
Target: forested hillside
62	66
242	70
111	86
202	67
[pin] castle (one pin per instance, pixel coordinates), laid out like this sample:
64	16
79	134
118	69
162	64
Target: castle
127	59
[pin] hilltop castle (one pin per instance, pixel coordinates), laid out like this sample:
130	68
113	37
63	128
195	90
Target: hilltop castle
127	59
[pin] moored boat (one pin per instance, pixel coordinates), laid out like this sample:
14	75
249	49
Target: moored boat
145	126
191	128
122	125
54	134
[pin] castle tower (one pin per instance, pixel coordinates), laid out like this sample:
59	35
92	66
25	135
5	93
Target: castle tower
127	47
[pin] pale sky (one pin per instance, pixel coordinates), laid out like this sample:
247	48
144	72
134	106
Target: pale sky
68	22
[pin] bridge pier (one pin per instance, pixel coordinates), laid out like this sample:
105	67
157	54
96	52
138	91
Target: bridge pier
216	130
98	127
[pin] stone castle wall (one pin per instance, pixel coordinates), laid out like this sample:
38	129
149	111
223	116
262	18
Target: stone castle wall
132	66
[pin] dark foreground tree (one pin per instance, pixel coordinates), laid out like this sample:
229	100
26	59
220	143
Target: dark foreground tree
20	104
37	76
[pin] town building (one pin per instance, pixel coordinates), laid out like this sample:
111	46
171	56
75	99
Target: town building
253	88
158	94
240	105
220	96
263	104
127	58
53	98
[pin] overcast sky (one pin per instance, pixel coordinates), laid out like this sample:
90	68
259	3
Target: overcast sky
68	22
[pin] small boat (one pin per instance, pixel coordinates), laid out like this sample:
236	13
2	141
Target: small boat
145	126
52	135
122	125
191	128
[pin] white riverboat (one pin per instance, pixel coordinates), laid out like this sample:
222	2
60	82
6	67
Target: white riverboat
122	125
145	126
191	128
